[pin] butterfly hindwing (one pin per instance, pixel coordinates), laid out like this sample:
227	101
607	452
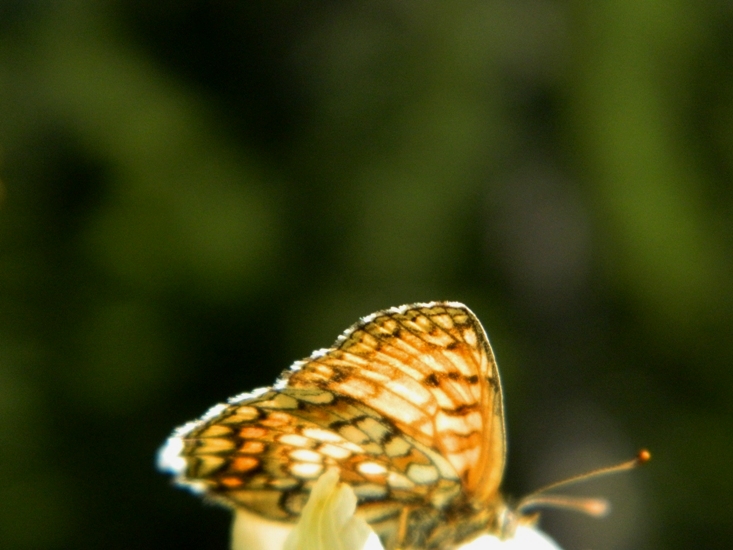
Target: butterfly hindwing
265	453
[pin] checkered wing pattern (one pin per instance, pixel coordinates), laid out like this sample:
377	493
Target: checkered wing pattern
407	405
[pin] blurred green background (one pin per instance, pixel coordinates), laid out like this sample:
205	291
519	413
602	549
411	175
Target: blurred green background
196	193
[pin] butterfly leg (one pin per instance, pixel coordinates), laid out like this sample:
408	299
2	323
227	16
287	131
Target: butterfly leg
402	527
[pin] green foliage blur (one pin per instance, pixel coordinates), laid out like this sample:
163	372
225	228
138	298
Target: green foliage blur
197	193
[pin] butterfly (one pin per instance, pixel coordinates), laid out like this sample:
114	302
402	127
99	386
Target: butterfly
407	405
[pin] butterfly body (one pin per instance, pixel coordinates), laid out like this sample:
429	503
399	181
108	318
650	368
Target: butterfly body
407	405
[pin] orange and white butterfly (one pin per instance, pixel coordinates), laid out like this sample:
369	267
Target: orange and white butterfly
406	406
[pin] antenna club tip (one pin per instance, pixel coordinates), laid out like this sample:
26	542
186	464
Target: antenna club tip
598	507
643	456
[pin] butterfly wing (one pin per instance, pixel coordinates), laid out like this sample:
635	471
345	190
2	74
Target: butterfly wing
428	368
407	406
265	451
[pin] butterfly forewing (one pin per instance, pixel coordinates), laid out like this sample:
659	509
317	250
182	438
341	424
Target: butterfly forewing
430	370
407	405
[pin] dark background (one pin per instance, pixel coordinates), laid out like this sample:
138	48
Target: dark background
197	193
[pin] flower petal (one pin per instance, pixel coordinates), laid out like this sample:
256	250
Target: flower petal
328	521
525	538
253	532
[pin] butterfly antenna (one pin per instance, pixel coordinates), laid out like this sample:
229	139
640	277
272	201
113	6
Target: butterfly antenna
596	507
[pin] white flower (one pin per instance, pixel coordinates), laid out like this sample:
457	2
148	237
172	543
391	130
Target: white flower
525	538
328	523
